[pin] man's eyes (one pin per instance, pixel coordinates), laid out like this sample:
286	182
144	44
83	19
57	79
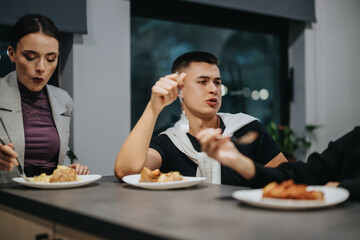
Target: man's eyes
218	83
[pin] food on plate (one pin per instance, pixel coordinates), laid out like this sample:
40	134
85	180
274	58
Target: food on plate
289	190
42	178
156	176
60	174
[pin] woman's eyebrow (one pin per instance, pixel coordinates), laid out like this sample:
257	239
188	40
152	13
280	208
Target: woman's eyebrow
52	53
29	51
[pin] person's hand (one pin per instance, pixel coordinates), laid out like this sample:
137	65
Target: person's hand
166	90
332	184
223	150
80	169
8	157
218	147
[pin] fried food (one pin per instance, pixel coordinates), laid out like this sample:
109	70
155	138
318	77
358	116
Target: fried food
170	177
42	178
149	176
156	176
64	174
60	174
289	190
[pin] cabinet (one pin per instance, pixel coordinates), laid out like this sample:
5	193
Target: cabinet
15	225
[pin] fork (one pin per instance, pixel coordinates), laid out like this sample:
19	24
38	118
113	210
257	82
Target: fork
246	139
21	169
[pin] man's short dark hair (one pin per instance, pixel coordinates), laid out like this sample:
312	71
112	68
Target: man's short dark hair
184	60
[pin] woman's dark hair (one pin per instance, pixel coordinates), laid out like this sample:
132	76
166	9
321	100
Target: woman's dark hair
33	23
196	56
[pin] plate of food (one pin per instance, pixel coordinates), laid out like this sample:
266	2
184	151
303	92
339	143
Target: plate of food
288	195
62	177
161	181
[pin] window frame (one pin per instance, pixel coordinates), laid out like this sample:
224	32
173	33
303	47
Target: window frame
238	20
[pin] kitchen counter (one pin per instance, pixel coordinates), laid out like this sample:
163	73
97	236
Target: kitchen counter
108	208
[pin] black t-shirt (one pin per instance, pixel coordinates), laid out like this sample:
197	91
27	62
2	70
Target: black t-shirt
262	150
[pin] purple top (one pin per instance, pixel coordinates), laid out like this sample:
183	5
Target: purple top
42	141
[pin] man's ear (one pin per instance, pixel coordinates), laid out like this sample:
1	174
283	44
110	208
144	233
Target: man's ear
11	52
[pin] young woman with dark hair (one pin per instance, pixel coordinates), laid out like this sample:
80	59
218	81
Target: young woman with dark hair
34	116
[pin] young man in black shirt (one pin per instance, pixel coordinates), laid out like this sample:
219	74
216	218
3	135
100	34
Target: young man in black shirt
198	76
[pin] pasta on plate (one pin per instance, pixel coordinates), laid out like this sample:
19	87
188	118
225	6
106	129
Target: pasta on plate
60	174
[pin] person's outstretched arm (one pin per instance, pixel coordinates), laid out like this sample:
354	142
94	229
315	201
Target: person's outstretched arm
222	149
337	165
135	152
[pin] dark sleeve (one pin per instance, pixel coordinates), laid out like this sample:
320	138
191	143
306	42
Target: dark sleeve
157	143
263	149
341	159
343	162
353	186
298	171
340	162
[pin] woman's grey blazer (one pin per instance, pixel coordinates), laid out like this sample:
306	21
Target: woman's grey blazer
11	120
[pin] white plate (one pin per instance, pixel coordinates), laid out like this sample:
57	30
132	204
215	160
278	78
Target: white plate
84	179
187	182
332	196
